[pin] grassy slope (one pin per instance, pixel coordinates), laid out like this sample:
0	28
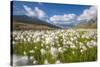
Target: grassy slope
26	26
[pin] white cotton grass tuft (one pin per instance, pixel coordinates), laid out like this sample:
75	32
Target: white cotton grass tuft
54	51
32	51
60	49
24	53
46	61
35	47
31	57
34	62
58	62
43	51
13	42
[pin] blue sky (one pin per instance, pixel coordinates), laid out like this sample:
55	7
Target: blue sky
50	9
54	12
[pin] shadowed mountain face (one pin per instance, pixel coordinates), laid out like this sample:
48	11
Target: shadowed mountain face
22	22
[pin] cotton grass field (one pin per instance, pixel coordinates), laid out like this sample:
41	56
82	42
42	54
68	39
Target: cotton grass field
54	46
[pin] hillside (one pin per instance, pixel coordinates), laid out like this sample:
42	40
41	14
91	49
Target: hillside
26	23
27	26
89	24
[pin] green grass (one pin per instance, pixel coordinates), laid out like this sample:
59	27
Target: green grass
67	56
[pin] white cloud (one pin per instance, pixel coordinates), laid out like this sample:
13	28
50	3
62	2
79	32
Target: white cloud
88	14
36	12
40	13
29	11
62	18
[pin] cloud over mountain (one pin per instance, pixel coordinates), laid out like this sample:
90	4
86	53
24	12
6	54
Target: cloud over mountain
62	18
88	14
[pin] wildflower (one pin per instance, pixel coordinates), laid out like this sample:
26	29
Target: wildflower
13	42
42	44
71	39
24	53
35	47
34	62
31	57
54	51
73	52
60	49
42	51
47	47
46	61
58	62
73	46
31	51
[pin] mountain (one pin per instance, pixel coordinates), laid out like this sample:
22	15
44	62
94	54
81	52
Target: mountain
66	26
23	22
87	24
83	24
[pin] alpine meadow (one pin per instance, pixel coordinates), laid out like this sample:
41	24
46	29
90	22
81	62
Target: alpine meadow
52	33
